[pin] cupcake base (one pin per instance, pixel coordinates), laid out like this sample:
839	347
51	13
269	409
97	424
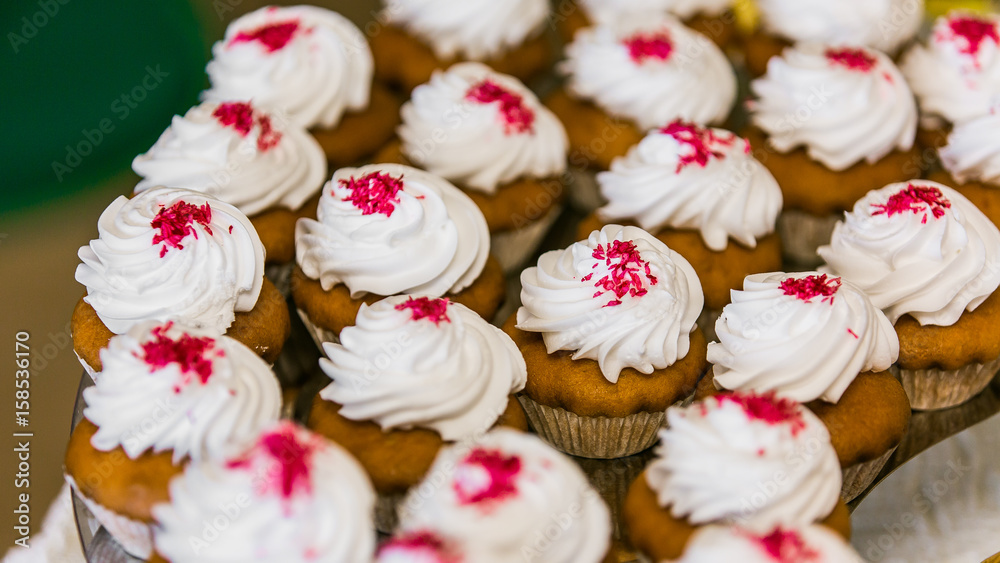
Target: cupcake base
934	389
860	476
134	536
802	233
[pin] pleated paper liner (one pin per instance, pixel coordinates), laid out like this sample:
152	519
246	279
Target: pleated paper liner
513	248
860	476
933	389
802	233
135	537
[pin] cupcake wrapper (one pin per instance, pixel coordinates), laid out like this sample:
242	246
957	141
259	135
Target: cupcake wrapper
802	233
706	322
86	367
611	478
933	389
585	194
319	335
135	537
513	248
598	437
281	276
860	476
387	511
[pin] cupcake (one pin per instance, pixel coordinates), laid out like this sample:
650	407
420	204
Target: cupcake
885	25
608	332
956	75
170	253
713	18
632	75
931	261
490	136
800	544
315	67
839	122
388	229
266	166
169	394
291	497
818	340
411	375
413	38
508	497
695	188
971	161
735	459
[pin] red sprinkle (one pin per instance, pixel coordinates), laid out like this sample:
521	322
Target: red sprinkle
241	117
289	459
626	270
517	118
974	31
852	333
175	223
786	546
701	140
501	474
192	354
644	46
423	546
273	36
767	408
812	286
853	59
377	192
915	199
436	310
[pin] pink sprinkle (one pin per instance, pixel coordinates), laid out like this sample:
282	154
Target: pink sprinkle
193	355
421	546
812	286
853	59
436	310
915	199
626	271
702	142
241	116
273	36
230	229
767	408
644	46
374	193
517	118
500	472
785	546
852	333
288	458
974	31
175	223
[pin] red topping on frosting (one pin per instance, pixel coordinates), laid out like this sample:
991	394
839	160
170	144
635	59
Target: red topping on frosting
915	199
644	46
786	546
812	286
424	544
854	59
768	408
435	310
377	192
486	475
289	457
191	354
273	36
241	116
176	222
517	118
701	140
627	268
974	31
852	333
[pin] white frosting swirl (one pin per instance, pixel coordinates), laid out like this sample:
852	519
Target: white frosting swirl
954	78
841	114
495	499
881	24
307	62
449	371
603	11
717	463
787	337
170	387
621	298
214	270
256	165
481	129
973	151
812	544
687	177
932	261
431	239
327	515
470	29
652	70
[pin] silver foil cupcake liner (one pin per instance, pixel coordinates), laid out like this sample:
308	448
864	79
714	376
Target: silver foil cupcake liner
802	233
387	511
599	437
860	476
514	247
611	478
318	334
933	389
86	367
281	276
585	194
135	537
